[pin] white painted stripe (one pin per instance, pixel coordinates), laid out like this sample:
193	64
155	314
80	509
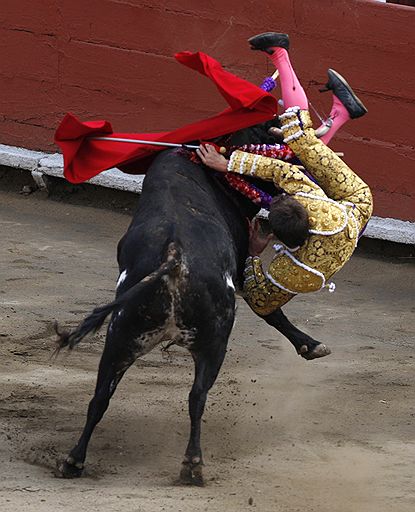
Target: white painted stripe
51	164
393	230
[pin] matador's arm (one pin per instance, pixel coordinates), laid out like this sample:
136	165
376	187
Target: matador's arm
285	175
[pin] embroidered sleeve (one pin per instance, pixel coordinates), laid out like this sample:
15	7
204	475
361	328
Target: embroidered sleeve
285	175
262	296
280	151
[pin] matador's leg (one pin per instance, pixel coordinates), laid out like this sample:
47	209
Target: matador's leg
337	180
346	105
292	92
337	118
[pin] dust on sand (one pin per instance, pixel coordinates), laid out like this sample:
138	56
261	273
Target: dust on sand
279	433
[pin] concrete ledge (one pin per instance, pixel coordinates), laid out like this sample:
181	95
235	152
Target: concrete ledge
43	164
20	158
394	230
52	165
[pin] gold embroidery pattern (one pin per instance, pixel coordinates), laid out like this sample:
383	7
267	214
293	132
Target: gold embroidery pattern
262	296
285	175
293	277
243	162
337	180
326	253
324	216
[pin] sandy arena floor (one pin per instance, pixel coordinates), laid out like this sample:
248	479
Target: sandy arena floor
279	433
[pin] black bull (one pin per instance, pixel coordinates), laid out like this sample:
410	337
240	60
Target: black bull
180	261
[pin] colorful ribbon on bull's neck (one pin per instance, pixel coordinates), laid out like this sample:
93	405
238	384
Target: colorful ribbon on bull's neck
237	182
255	194
249	190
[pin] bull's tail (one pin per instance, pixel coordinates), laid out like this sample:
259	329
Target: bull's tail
93	322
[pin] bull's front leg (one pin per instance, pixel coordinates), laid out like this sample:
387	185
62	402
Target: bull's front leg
305	345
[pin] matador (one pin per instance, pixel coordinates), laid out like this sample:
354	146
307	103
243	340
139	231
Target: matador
317	225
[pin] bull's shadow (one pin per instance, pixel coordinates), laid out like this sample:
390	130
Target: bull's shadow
180	261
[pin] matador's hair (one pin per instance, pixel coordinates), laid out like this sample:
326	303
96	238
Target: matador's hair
289	220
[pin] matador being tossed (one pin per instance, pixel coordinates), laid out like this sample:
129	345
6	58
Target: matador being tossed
317	225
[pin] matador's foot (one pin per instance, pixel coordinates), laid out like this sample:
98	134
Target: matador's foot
70	469
269	40
191	472
342	90
316	351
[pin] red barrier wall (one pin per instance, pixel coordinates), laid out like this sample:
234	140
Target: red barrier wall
112	59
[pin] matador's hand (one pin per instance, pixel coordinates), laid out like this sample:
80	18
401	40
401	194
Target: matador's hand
212	158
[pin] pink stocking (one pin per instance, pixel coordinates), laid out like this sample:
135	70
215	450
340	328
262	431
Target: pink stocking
339	117
292	92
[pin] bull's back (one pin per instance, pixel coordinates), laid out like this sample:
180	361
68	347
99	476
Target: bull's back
179	203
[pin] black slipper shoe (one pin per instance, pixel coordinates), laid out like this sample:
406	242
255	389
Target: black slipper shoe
342	90
267	40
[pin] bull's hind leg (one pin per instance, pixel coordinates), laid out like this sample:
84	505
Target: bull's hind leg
111	369
207	366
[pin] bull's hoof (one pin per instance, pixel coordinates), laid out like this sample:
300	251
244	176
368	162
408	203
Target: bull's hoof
191	474
314	352
70	469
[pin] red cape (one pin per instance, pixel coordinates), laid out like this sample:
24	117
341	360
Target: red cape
85	158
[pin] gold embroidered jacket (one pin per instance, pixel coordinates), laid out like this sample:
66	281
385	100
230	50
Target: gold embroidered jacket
338	208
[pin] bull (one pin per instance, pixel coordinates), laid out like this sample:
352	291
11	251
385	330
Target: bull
180	263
